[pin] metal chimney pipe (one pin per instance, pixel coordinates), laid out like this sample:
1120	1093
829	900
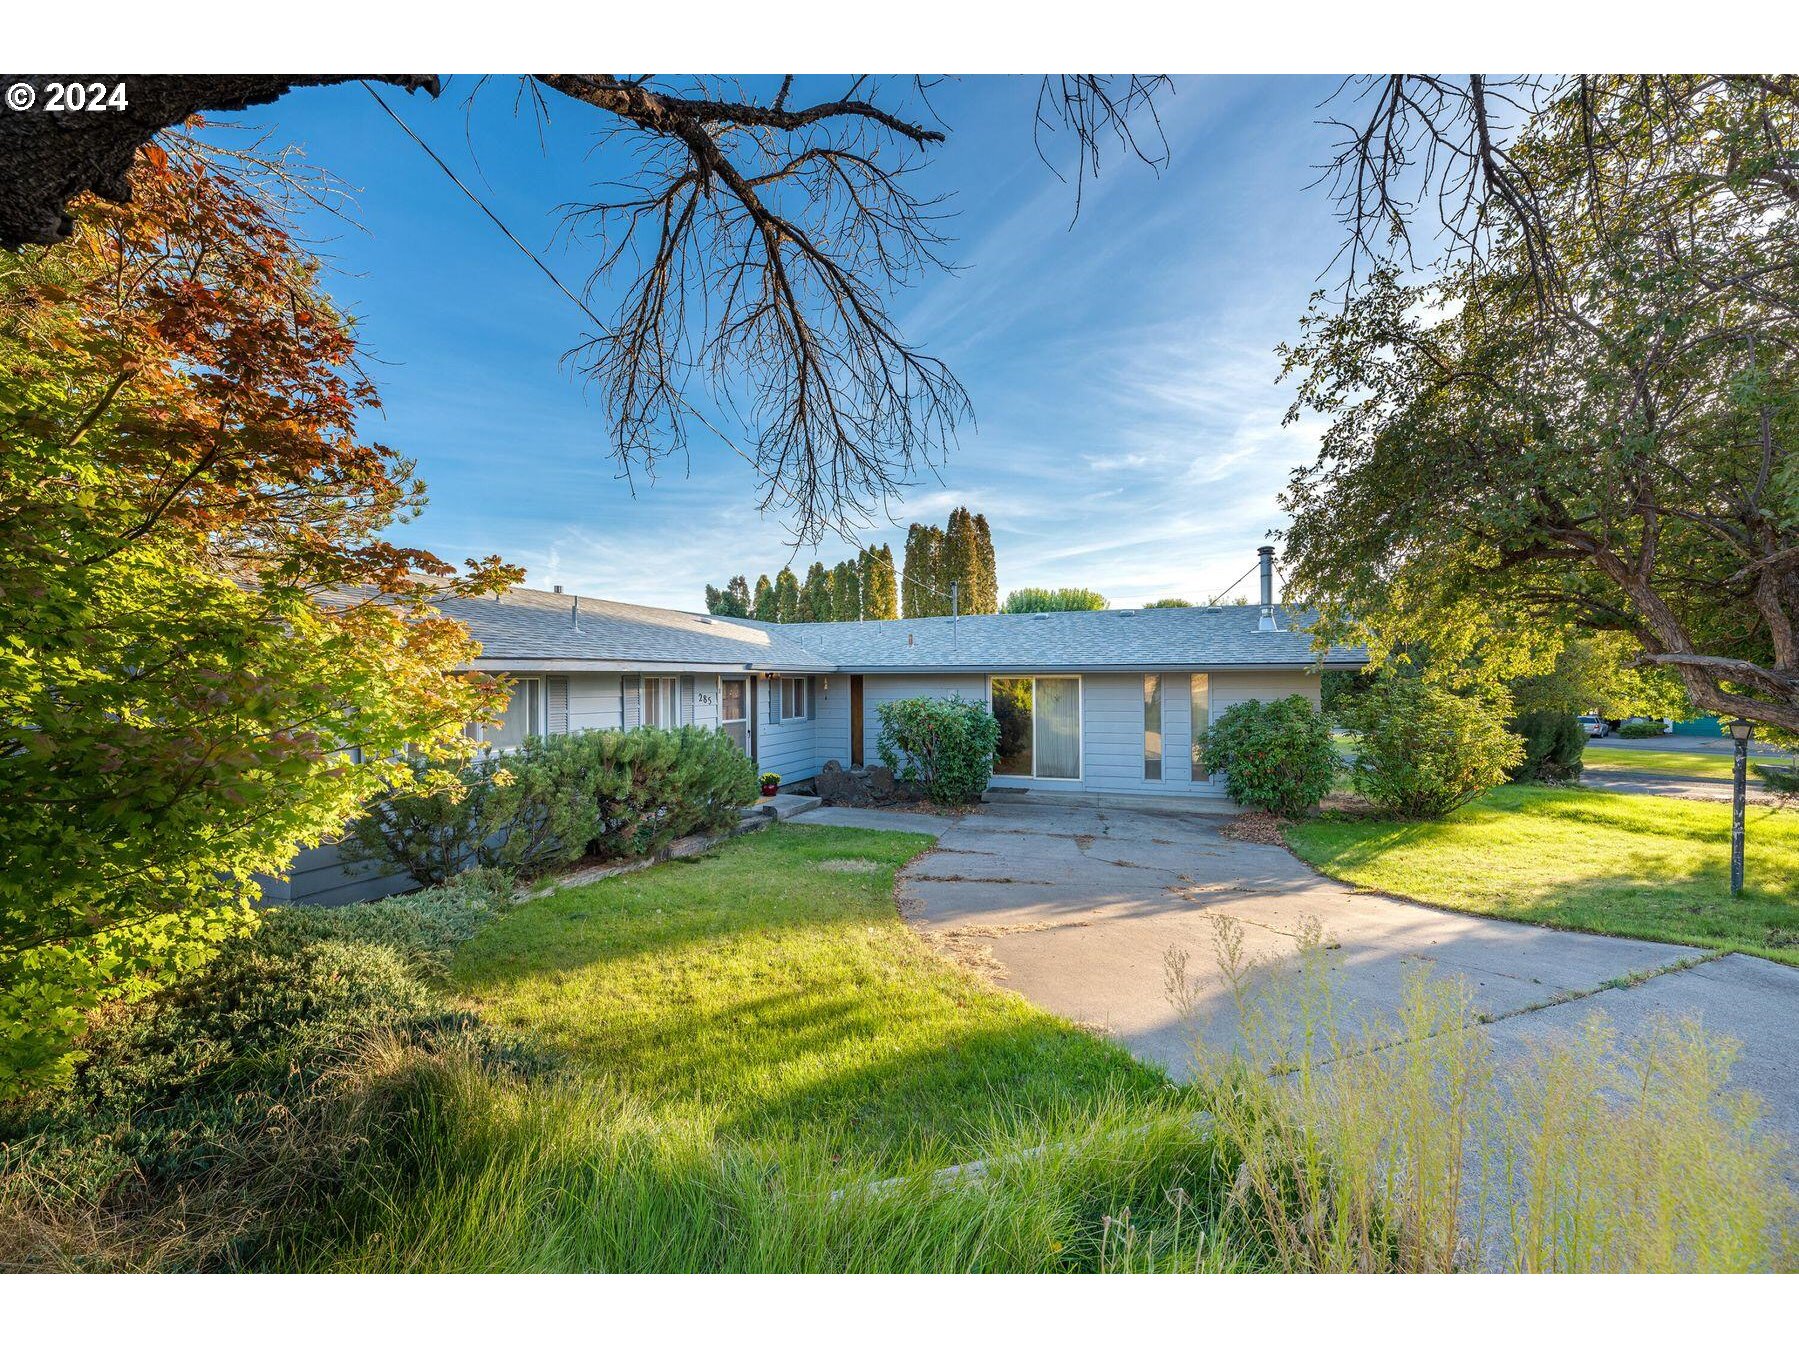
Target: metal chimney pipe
1265	558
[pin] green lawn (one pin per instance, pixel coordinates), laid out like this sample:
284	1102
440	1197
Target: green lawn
1633	866
770	990
1673	763
751	1041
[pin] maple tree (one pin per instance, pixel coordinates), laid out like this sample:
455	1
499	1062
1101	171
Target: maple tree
211	656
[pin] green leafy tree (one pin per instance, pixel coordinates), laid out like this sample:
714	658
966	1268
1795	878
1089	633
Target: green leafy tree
1582	421
1596	673
1422	751
787	596
715	600
880	590
211	657
1169	604
846	592
1033	600
767	606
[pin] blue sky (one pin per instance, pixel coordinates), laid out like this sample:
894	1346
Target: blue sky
1128	432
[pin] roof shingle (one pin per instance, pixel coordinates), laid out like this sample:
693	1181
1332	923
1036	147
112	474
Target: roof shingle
537	625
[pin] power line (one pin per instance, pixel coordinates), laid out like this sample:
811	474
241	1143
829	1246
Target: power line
487	211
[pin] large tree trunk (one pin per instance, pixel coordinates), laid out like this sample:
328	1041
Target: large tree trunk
47	159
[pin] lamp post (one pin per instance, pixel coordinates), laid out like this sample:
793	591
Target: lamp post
1739	732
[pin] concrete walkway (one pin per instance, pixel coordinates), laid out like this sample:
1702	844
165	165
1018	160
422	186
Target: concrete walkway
1080	903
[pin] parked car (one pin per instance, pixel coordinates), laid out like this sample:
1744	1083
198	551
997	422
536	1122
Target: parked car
1597	728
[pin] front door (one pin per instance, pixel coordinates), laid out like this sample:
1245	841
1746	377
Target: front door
737	713
856	751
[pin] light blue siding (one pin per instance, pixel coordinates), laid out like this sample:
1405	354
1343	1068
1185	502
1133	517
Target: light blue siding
789	748
831	732
1112	737
319	876
1111	724
879	689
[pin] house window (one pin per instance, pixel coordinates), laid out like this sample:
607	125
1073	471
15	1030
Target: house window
1039	726
794	703
520	719
1202	720
661	703
1152	728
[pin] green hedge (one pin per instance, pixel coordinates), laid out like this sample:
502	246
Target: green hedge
944	744
1276	756
608	794
1553	745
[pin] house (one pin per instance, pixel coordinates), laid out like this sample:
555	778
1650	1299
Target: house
1108	701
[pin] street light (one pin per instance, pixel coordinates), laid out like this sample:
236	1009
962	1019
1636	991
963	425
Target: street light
1739	732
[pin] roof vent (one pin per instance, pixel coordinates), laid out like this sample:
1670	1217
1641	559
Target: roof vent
706	621
557	589
1125	613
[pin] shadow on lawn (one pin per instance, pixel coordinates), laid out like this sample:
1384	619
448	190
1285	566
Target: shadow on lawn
775	1000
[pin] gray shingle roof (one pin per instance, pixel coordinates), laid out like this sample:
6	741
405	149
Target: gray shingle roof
536	625
1176	639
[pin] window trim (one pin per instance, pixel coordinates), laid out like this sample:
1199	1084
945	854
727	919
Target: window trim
789	687
1080	722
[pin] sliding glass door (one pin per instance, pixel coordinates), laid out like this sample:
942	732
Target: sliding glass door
1039	726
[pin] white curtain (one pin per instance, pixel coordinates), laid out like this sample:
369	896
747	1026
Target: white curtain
1058	728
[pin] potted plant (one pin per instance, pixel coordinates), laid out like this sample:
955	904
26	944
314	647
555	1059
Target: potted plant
771	783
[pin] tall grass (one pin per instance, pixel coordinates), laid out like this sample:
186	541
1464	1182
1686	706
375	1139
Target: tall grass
1409	1143
561	1177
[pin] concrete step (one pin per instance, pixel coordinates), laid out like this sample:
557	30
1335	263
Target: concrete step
782	806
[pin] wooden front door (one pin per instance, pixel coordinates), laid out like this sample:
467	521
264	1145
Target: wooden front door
856	752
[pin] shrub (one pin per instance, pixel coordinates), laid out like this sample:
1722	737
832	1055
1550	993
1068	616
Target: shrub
1553	742
945	744
1781	779
1640	730
1425	751
600	793
201	1117
1275	756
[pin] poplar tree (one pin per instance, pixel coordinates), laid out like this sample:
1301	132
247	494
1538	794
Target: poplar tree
787	596
737	595
880	591
766	608
846	592
815	596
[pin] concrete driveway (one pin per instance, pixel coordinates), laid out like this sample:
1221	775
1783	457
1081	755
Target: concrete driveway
1076	905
